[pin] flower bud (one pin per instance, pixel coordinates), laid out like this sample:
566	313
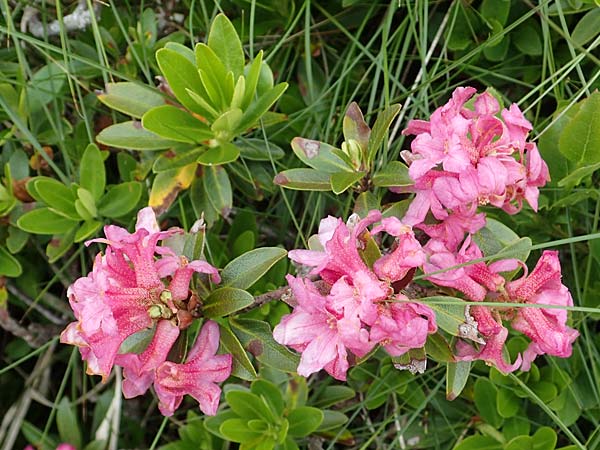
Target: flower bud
352	148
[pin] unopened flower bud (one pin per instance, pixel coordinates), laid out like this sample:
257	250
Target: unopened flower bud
155	312
166	296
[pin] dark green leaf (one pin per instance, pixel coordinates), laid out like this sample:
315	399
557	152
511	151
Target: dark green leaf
172	123
66	421
259	150
576	177
319	156
508	404
438	349
587	28
249	406
448	317
580	139
60	244
241	367
457	375
332	420
132	135
334	394
247	269
485	400
56	195
256	337
498	239
225	301
394	174
527	39
303	180
130	98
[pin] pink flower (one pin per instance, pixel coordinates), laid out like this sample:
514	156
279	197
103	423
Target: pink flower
321	333
403	325
126	292
197	376
139	369
547	328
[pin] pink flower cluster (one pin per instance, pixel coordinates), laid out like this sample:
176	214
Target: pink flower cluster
462	158
356	307
137	285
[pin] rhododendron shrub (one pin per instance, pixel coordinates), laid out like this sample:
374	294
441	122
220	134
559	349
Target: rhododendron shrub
138	285
366	285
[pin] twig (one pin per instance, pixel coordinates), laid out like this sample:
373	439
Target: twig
35	334
39	308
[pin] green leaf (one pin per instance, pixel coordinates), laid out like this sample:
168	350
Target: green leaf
448	317
224	126
256	337
380	128
252	73
259	149
303	180
544	439
438	349
319	156
132	135
38	437
120	199
259	107
478	442
45	221
225	42
394	174
527	39
200	203
138	342
332	395
365	202
496	10
223	154
172	123
60	244
580	139
182	75
507	403
45	85
498	239
182	50
218	189
485	399
92	175
575	178
304	420
85	204
9	265
130	98
247	269
587	28
225	301
356	128
270	394
457	375
237	430
249	406
176	158
341	181
241	367
66	421
214	77
86	230
332	420
57	196
519	443
16	239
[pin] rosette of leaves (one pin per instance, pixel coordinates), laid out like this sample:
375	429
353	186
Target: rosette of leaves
350	166
213	97
72	213
260	418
